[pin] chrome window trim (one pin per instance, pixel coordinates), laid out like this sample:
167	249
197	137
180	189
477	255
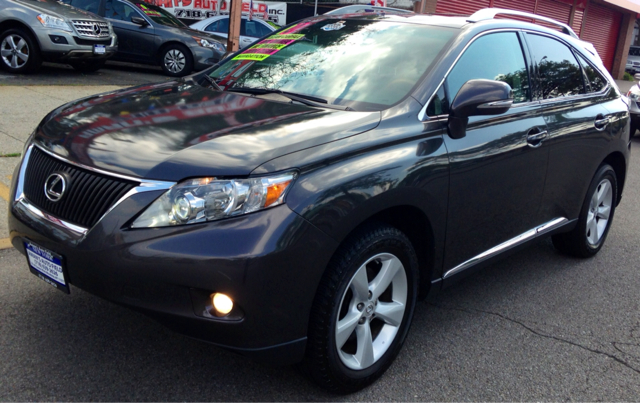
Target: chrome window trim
423	112
505	246
422	115
20	201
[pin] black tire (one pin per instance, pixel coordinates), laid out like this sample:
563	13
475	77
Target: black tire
176	60
14	62
581	241
88	66
326	363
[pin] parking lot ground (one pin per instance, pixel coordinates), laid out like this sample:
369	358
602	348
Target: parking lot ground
537	326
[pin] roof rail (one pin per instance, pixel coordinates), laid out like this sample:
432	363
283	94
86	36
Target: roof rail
490	13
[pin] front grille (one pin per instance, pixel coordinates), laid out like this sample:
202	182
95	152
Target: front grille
92	29
88	194
89	42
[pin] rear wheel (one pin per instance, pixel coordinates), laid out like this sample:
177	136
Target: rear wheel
363	310
88	66
587	238
176	60
19	52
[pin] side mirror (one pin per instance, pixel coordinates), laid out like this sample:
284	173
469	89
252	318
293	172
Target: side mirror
140	21
636	76
476	98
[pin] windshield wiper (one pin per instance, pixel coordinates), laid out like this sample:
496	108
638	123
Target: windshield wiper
302	98
212	82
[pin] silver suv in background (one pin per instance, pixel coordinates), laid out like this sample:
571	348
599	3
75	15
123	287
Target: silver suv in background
33	31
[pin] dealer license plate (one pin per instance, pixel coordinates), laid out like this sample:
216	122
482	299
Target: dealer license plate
99	49
47	265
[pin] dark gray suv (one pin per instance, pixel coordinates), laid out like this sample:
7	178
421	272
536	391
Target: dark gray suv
32	31
296	201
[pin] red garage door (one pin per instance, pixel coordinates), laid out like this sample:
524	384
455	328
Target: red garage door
461	7
601	27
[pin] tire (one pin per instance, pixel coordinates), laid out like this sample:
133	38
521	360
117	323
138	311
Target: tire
176	60
352	295
19	52
598	209
633	129
88	66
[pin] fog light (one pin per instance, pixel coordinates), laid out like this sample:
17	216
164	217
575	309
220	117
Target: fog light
222	304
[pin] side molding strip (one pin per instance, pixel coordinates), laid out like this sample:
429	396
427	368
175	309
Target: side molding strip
511	243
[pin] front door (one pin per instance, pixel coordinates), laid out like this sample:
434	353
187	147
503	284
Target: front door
498	169
136	43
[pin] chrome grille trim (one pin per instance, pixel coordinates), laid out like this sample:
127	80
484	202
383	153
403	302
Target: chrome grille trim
86	28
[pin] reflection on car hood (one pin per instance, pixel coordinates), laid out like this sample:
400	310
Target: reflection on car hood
58	9
173	130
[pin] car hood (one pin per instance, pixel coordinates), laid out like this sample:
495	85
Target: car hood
58	9
176	130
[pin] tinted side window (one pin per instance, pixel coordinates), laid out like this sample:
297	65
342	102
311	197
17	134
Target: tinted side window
559	72
88	5
119	11
223	26
493	57
595	81
261	30
213	27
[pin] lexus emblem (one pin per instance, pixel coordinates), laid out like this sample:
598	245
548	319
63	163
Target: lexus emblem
96	29
54	187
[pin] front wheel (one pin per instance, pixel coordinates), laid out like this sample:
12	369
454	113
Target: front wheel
176	60
19	51
587	238
362	310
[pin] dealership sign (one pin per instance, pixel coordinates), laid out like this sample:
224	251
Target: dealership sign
201	9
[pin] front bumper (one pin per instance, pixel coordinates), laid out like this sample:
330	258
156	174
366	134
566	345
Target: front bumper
70	46
269	263
204	57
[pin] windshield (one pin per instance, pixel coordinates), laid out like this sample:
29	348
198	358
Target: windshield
366	64
160	16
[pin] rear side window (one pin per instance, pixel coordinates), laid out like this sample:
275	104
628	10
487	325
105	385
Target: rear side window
493	57
558	70
595	81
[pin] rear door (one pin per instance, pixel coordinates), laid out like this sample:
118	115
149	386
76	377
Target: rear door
574	104
498	169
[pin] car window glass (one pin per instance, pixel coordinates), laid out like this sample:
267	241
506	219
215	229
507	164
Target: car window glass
252	28
439	104
223	26
634	51
262	30
560	75
493	57
594	78
87	5
212	27
119	11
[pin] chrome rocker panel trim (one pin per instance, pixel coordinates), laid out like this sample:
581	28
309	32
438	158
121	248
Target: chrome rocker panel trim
505	246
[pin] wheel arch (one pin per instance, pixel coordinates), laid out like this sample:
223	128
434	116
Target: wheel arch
13	23
619	165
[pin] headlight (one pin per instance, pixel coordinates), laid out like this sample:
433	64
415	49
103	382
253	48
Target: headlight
208	199
53	22
209	43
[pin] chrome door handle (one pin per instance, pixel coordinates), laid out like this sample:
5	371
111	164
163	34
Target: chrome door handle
535	137
601	122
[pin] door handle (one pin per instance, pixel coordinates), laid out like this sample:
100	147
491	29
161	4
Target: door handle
535	137
601	122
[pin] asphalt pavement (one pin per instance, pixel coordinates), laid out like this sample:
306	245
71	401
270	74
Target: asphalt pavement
537	326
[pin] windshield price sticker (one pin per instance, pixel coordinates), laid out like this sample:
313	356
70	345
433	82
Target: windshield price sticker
334	27
268	47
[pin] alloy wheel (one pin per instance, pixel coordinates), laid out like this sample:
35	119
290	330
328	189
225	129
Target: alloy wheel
14	51
174	60
599	211
371	311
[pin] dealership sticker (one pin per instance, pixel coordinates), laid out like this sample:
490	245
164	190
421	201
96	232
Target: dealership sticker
268	47
334	27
